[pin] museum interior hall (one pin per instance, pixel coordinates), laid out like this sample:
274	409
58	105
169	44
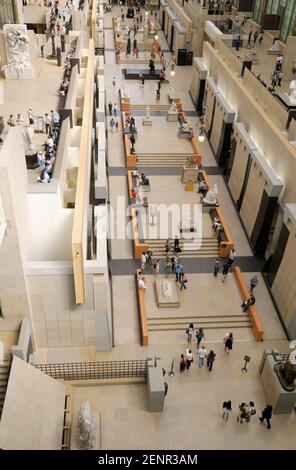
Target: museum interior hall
148	156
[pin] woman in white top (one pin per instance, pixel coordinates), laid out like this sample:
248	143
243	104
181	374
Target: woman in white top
142	284
189	358
190	330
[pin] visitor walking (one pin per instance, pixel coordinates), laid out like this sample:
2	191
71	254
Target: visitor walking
167	267
228	342
183	281
178	270
189	358
225	271
114	82
199	336
110	108
250	411
117	126
167	247
261	37
112	124
216	267
42	50
253	283
174	261
226	410
165	388
177	248
256	34
115	109
189	331
241	413
183	363
210	360
47	122
266	415
202	354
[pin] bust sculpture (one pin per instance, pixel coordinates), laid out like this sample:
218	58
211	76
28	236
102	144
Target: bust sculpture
210	198
167	288
86	428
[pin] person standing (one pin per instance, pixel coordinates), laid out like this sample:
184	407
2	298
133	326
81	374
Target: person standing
256	34
241	413
226	410
174	261
114	82
261	37
143	260
183	363
177	245
266	415
117	126
167	267
216	267
225	271
253	283
115	109
189	358
19	120
42	50
165	388
183	280
11	121
228	342
47	122
202	354
156	266
250	411
178	270
110	108
249	37
199	336
30	116
167	247
190	331
231	256
210	360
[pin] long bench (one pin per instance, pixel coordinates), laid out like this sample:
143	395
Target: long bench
139	246
225	238
253	315
141	311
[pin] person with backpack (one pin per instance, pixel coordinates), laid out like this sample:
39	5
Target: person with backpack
199	336
183	280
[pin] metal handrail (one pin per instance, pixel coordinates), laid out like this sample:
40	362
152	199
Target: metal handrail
96	370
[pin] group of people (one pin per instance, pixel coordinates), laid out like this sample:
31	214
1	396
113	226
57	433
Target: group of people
187	359
114	124
67	72
46	158
245	411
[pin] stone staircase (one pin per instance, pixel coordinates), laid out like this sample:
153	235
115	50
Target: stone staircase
4	375
190	248
162	159
229	322
152	107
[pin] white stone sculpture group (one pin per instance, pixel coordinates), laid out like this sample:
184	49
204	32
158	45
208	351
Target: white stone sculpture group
17	49
86	428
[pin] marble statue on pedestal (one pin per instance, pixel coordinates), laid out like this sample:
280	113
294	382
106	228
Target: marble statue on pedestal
167	288
210	198
16	43
86	428
28	135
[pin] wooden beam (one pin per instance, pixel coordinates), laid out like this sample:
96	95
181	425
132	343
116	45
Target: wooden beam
82	181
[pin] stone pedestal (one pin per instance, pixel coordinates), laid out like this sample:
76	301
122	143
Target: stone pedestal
172	116
147	122
161	299
155	388
189	174
281	400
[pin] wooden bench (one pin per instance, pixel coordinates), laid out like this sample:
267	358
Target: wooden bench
253	315
224	238
141	311
139	247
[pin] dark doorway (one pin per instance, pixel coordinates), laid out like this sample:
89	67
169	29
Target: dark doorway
172	37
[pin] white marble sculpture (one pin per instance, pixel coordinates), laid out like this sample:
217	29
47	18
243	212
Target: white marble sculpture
140	195
86	428
167	288
28	135
16	41
210	198
173	108
292	92
147	112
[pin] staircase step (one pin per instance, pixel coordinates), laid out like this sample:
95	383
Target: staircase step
206	325
188	320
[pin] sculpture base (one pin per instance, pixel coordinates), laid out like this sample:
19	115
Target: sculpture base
172	116
166	302
147	122
290	101
189	174
27	74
